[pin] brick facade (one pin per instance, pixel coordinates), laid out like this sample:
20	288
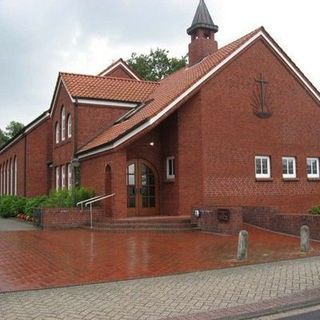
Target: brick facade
31	151
214	136
233	135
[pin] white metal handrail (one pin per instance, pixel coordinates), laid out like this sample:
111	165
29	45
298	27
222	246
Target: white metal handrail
87	200
96	200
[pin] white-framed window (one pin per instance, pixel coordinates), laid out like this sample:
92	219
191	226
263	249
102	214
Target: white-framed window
63	176
313	167
8	178
263	167
1	176
57	178
171	171
69	176
4	179
11	177
15	177
69	126
289	167
57	132
63	124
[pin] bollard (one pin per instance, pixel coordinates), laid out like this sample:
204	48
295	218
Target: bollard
304	238
243	245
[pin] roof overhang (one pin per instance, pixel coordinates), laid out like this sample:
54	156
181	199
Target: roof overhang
107	103
261	34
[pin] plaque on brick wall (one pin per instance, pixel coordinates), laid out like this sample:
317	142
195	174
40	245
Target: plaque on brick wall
223	215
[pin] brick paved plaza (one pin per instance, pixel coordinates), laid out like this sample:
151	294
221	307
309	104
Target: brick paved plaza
46	259
204	292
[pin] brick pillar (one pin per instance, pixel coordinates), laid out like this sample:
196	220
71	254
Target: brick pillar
119	166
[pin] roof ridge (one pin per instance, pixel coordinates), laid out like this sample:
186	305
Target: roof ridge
106	77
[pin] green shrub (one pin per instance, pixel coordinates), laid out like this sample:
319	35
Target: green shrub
82	193
67	198
10	206
33	203
315	210
59	199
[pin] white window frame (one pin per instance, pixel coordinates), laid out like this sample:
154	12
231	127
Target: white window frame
57	178
262	175
5	178
289	175
170	164
69	176
15	176
63	177
63	124
69	126
8	178
1	179
11	177
313	175
57	132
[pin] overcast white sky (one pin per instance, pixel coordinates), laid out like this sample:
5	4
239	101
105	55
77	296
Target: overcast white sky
40	38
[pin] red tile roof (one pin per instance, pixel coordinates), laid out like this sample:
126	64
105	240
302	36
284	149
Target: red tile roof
107	88
169	89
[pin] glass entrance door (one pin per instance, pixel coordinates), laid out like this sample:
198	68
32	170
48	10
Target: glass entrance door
142	189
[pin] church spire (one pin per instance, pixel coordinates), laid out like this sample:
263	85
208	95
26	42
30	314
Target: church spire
202	19
202	32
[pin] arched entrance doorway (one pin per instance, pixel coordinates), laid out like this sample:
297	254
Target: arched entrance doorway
142	189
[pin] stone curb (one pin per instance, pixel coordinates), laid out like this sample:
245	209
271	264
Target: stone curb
302	299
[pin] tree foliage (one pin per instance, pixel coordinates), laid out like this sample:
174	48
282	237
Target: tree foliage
155	65
12	129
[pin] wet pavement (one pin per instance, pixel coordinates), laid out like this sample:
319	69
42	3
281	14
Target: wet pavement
45	259
15	225
244	292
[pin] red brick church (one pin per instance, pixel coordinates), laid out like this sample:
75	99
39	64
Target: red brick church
238	126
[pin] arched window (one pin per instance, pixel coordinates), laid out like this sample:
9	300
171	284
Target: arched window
63	124
69	126
1	180
11	177
57	178
57	130
8	178
63	176
15	176
4	169
69	176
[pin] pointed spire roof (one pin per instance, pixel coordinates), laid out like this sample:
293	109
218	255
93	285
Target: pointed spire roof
202	19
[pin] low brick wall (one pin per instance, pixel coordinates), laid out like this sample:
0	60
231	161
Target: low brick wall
259	216
209	220
270	218
68	217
